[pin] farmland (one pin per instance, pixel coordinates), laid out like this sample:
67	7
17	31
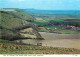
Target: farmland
21	30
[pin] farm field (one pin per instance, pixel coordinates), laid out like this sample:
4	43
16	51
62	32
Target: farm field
60	28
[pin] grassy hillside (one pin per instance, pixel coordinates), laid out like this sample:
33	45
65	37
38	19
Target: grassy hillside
7	47
8	20
12	20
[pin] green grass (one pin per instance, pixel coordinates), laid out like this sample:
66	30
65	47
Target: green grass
10	21
48	19
7	47
43	29
51	27
62	21
4	41
38	22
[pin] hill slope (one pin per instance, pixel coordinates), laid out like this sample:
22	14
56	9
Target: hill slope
12	20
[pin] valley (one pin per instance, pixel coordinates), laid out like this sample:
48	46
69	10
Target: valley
22	30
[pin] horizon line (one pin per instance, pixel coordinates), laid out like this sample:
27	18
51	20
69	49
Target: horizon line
39	9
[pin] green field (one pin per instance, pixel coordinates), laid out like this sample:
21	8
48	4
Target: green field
59	24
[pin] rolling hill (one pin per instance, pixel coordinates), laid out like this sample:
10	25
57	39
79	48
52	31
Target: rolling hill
12	21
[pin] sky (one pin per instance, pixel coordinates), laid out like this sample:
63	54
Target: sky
41	4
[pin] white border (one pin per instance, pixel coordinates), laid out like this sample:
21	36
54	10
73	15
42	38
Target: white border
40	55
